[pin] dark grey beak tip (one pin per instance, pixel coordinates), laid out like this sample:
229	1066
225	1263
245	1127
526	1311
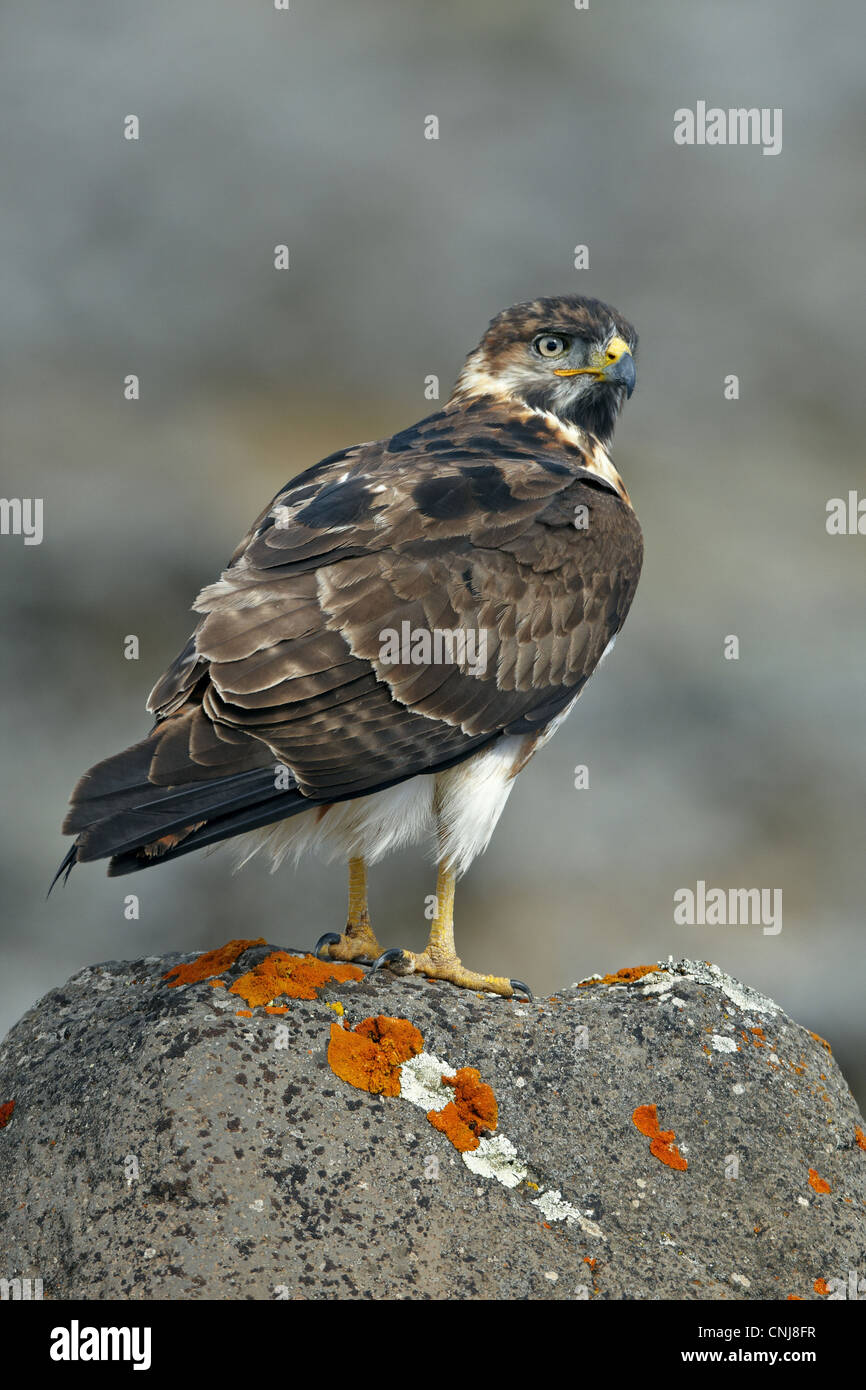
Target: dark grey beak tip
624	372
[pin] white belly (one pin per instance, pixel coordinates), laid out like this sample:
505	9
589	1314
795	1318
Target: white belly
368	827
471	797
455	811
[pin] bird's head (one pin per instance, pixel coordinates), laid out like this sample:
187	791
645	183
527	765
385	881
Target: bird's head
570	355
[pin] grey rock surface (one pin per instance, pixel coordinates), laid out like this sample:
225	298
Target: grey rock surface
163	1145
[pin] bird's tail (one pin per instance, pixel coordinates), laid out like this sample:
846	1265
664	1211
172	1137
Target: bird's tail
173	793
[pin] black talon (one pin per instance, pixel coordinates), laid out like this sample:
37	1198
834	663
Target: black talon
329	939
393	954
518	984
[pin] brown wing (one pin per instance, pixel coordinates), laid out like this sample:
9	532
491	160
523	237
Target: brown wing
445	528
464	523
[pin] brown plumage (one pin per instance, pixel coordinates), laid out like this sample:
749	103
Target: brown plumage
500	515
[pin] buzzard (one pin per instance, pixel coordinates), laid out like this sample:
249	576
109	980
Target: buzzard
405	624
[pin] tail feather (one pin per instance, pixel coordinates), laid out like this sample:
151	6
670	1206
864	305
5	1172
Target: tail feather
280	807
117	812
140	826
67	864
84	813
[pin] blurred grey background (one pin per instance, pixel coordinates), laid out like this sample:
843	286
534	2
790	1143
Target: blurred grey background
306	127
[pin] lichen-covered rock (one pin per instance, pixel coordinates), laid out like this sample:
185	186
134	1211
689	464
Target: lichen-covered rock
665	1133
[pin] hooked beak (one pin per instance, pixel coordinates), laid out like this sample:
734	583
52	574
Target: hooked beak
614	364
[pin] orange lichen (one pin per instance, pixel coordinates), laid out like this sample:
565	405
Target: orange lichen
860	1137
472	1111
819	1184
662	1146
646	1119
665	1150
822	1287
626	976
244	1013
299	977
6	1112
211	963
370	1055
217	984
819	1039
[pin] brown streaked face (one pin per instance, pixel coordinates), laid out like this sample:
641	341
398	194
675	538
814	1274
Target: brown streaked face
570	355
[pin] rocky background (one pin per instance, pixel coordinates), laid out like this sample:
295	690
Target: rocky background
556	128
240	1126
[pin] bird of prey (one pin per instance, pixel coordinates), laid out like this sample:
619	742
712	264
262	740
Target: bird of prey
405	624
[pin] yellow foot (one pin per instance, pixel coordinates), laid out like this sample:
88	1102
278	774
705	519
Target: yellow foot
358	942
449	968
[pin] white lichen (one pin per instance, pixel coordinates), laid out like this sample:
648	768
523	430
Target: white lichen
660	984
705	973
496	1157
421	1082
555	1208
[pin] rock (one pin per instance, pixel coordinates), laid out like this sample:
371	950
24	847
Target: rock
662	1133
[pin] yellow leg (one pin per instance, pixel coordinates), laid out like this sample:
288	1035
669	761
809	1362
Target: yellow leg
358	940
357	893
439	958
440	943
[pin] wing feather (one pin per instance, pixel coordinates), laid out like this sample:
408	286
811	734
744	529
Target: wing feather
461	524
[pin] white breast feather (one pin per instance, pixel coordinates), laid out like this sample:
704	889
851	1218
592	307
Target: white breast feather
368	827
471	797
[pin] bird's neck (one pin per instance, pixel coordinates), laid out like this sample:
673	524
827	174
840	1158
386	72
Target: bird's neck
594	414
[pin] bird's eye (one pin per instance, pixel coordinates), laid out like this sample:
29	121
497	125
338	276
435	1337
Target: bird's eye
550	344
